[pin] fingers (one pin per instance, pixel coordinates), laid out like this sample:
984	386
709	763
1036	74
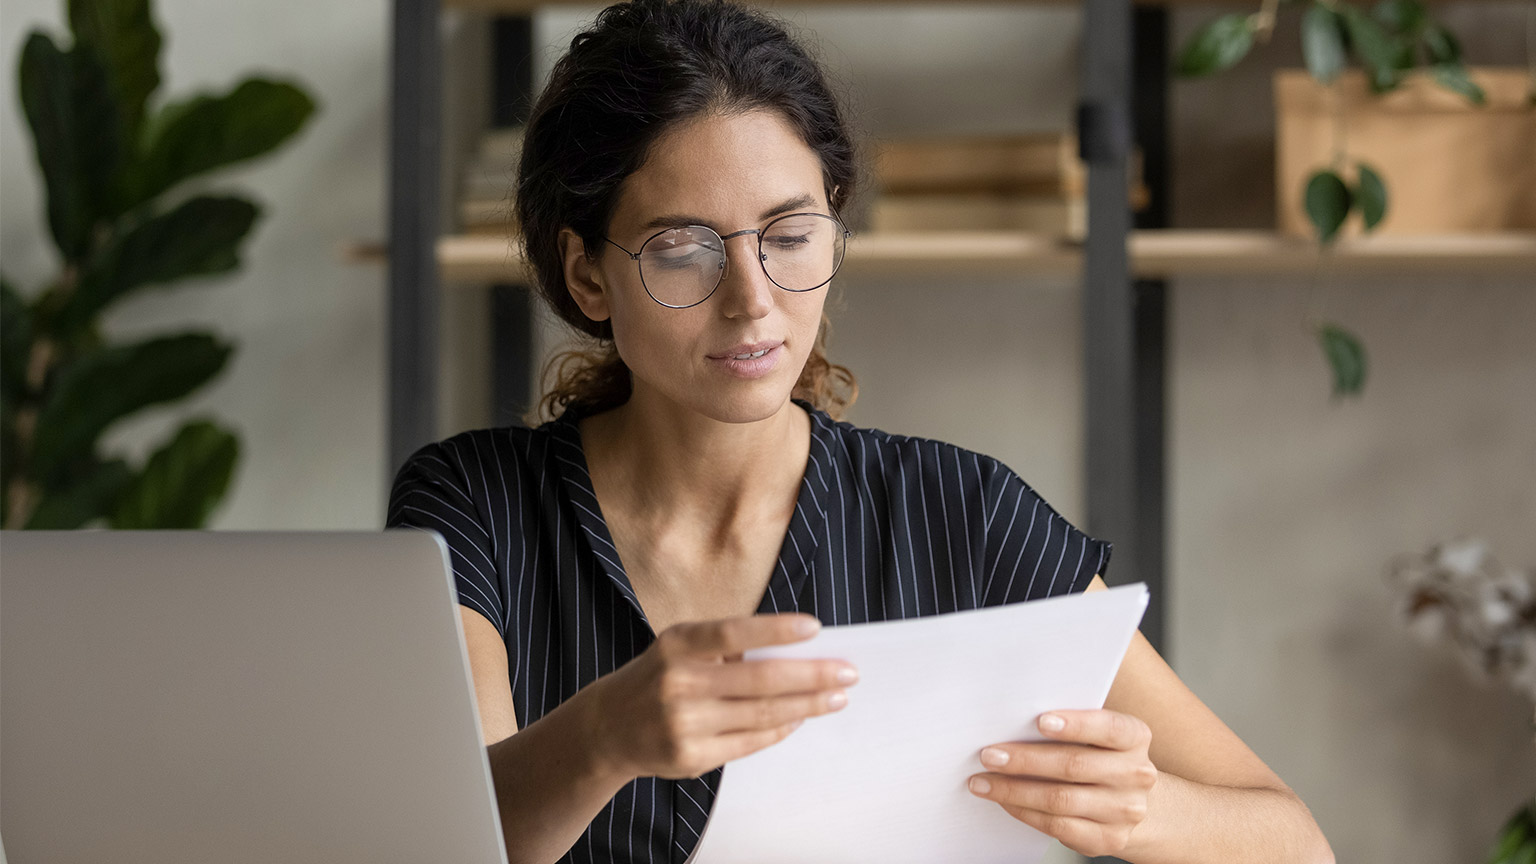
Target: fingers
1084	836
778	676
1100	727
696	756
734	745
734	715
1097	803
1072	763
730	637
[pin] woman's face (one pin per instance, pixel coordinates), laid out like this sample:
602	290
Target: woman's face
728	173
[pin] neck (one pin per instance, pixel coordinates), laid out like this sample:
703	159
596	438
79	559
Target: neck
669	465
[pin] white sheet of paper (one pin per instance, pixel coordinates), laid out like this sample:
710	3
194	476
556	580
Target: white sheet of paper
884	779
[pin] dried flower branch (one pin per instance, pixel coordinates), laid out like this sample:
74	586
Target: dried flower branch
1458	593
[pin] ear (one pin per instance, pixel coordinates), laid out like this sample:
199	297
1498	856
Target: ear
582	278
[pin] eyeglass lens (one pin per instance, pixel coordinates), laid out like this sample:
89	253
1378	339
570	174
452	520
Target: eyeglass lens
682	266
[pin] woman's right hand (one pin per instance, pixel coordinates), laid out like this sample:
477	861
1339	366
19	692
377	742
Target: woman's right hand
689	703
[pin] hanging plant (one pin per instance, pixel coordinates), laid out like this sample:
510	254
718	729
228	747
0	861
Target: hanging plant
116	166
1395	39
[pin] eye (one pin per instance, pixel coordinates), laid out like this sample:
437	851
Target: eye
789	241
676	261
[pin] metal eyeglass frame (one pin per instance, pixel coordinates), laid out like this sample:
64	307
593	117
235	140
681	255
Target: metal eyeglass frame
761	258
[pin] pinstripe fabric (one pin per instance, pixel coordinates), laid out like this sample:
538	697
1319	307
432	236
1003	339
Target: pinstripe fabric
885	527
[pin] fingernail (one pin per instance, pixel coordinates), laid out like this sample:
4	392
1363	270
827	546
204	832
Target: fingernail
837	700
994	757
807	626
1052	723
980	786
847	675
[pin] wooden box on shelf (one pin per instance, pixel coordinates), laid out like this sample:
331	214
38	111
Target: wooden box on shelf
1449	166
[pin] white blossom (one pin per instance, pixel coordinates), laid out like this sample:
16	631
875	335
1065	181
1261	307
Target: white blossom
1457	593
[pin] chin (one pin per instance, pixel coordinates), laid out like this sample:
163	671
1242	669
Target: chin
740	404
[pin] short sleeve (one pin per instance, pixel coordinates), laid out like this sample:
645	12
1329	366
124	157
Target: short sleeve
432	491
1031	551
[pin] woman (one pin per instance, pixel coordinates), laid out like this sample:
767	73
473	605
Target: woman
696	497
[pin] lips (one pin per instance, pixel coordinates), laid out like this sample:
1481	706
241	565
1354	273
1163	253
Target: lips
747	348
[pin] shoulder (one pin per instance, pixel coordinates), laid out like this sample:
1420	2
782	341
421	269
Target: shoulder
873	454
989	492
476	465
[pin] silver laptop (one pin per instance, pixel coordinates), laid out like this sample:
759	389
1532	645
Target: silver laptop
197	697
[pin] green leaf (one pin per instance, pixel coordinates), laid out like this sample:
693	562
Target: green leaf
1515	835
91	496
1454	77
9	457
1377	50
209	132
1219	45
74	122
183	481
1371	193
1441	45
123	35
200	237
1327	202
99	388
1404	17
1322	43
15	343
1346	356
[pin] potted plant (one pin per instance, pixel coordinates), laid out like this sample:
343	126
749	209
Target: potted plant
118	167
1396	39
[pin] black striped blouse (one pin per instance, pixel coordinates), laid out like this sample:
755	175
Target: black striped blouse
885	527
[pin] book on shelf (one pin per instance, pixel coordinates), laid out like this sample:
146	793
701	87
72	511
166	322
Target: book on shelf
1037	163
941	211
1026	182
486	187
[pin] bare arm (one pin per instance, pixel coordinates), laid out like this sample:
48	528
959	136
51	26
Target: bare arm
1154	777
548	786
1215	799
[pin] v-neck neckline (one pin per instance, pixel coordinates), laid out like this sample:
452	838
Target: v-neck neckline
797	552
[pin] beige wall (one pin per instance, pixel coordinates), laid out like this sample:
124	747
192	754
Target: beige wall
1283	508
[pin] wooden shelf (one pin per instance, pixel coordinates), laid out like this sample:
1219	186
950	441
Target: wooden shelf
1186	253
481	259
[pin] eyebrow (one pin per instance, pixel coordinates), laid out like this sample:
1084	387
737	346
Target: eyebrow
671	220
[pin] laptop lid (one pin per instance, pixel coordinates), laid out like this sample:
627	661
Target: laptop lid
188	697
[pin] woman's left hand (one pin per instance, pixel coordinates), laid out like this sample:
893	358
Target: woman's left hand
1087	786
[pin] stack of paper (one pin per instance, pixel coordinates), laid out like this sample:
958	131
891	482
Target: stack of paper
884	779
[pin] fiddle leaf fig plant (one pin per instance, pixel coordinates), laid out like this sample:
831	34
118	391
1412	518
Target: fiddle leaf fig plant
117	166
1394	39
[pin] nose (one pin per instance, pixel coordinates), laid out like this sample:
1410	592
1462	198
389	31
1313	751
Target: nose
745	289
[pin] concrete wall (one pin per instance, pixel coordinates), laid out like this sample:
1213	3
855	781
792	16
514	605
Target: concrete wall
1283	506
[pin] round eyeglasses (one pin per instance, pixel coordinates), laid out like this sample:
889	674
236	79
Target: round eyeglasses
681	267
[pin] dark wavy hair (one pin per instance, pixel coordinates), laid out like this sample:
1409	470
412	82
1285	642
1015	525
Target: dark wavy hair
641	69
